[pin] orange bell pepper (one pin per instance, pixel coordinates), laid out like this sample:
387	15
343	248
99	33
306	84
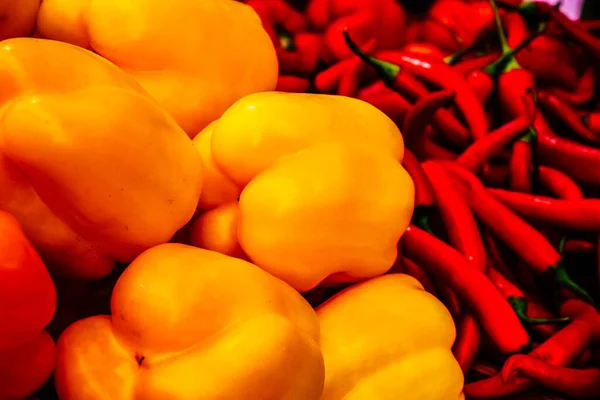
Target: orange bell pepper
324	196
27	303
217	230
18	20
189	323
90	165
387	338
195	57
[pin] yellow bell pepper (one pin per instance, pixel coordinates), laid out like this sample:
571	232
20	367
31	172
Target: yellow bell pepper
324	196
92	167
189	323
388	339
217	230
17	18
196	57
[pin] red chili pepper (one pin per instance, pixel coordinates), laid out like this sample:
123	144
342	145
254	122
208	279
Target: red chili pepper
561	349
482	80
541	65
386	100
579	161
493	312
494	175
580	383
465	67
559	184
342	78
463	233
496	257
577	32
578	246
426	148
439	34
480	152
568	116
529	311
381	20
524	239
293	84
592	121
420	116
411	268
577	214
521	166
468	341
424	197
437	73
298	51
582	94
423	50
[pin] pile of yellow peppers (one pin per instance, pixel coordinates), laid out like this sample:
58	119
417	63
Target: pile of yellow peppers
127	124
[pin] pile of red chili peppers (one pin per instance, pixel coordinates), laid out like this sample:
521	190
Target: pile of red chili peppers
498	105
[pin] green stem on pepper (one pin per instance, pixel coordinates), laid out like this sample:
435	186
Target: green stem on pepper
519	304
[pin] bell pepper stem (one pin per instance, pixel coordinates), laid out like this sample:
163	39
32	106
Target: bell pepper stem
561	276
386	70
519	304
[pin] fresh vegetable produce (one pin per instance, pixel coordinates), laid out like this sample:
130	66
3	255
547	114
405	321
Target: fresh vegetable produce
176	52
162	333
89	186
426	176
27	303
383	365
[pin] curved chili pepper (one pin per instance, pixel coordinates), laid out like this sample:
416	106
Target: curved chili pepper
419	117
559	184
293	84
510	228
568	116
480	152
439	74
463	233
424	197
494	313
577	214
582	94
411	268
579	161
468	341
581	383
386	100
561	349
521	304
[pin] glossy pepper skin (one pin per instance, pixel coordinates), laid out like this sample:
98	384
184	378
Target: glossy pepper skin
189	323
88	186
316	201
381	20
18	21
390	357
27	303
174	49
